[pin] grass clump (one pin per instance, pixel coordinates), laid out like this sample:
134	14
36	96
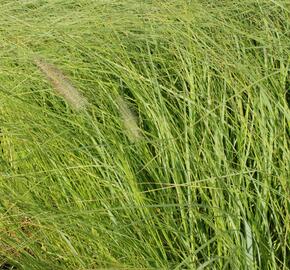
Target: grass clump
181	159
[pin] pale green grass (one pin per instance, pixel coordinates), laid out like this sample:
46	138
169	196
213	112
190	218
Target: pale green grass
204	185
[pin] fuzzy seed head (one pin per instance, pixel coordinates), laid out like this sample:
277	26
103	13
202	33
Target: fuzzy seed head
62	85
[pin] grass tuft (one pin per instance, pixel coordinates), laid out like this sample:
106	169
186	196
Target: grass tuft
179	156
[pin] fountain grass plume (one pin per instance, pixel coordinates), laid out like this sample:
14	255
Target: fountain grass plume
62	85
129	120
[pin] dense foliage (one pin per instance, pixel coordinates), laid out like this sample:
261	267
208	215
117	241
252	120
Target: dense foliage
204	185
